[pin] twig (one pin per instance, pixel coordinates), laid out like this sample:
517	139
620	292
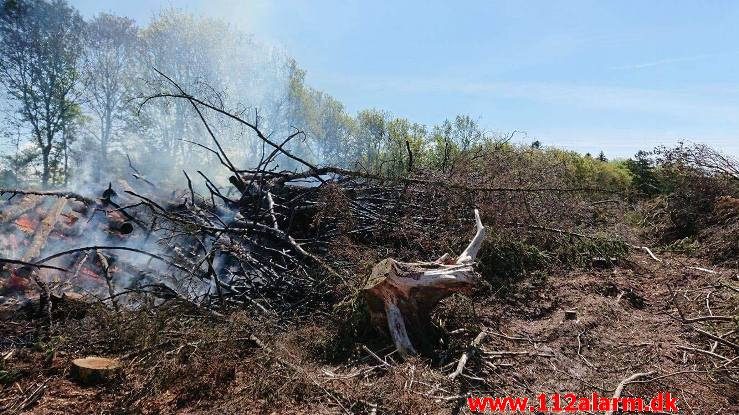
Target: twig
410	155
189	185
30	264
579	347
375	356
620	388
718	339
68	195
120	248
649	251
108	279
466	355
32	398
701	351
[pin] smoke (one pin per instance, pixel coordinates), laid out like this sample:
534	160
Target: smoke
156	139
153	143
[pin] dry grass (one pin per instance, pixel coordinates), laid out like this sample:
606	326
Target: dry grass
178	360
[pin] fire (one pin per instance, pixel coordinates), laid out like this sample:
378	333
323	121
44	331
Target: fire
15	283
26	224
89	273
70	219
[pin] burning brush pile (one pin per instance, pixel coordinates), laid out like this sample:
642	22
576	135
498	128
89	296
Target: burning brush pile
251	290
280	243
127	241
285	243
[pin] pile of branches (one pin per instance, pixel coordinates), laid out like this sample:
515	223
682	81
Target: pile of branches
278	241
698	210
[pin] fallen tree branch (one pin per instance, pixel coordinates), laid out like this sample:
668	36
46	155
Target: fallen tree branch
30	264
280	178
701	351
467	354
688	320
622	385
718	339
68	195
120	248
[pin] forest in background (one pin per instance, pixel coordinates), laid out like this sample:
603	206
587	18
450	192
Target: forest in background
75	109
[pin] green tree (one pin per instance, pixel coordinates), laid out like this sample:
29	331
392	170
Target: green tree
467	132
643	174
110	68
405	145
40	48
370	135
443	148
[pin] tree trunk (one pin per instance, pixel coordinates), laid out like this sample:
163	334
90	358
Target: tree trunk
105	130
45	166
401	295
65	143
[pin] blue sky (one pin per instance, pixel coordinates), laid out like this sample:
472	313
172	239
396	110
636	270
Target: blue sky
616	76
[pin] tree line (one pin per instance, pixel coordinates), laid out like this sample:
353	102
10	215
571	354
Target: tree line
75	108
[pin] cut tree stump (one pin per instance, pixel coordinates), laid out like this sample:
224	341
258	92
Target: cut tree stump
401	295
94	370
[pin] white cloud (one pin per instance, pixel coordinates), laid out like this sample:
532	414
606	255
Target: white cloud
677	103
670	61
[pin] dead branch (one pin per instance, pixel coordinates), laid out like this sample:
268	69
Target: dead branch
67	195
705	352
718	339
30	264
622	385
280	178
121	248
466	355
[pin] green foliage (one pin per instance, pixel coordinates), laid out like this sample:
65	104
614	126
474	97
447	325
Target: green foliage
455	312
502	257
645	180
15	165
580	252
442	149
7	376
40	48
583	171
509	263
351	325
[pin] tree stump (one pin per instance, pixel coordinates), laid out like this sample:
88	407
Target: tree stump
94	370
69	305
401	295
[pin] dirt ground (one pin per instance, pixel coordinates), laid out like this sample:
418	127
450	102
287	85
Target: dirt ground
628	321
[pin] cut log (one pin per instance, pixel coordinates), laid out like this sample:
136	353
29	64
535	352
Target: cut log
119	226
401	295
43	231
94	370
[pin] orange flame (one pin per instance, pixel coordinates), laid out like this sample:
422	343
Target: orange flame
25	224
